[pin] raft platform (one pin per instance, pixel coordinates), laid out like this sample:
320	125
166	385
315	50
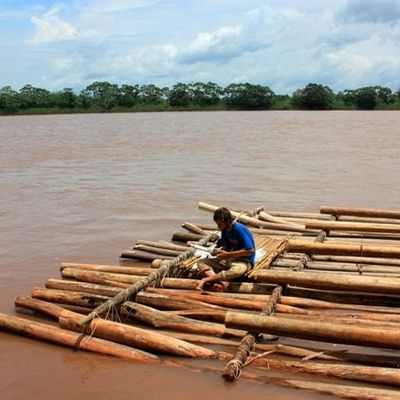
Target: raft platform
319	311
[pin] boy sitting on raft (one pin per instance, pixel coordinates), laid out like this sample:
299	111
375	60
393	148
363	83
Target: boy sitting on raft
234	255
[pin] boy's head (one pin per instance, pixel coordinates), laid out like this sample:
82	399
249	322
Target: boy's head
223	218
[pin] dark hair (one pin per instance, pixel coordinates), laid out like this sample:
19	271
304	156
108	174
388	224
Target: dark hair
222	214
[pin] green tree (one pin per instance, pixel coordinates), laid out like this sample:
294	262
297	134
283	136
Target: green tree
65	98
103	95
128	95
9	100
32	97
246	96
313	97
151	94
205	94
366	98
179	95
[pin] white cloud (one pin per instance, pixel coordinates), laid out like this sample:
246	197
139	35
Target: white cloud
107	6
50	28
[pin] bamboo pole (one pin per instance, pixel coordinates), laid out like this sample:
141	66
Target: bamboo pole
254	222
160	319
68	297
361	212
359	260
74	286
143	255
331	281
163	245
193	228
354	226
138	337
302	246
143	271
157	250
74	340
319	331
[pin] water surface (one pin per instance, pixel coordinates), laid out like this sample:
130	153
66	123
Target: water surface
83	188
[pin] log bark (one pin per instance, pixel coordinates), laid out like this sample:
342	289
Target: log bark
116	269
354	227
133	336
74	286
74	340
319	331
254	222
68	297
163	245
302	246
143	255
331	281
159	319
359	260
360	212
157	250
186	237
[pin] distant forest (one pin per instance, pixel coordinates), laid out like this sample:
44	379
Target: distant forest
108	97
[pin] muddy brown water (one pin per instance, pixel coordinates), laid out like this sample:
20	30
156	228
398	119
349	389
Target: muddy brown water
83	188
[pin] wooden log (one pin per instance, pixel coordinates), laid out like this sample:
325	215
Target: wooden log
319	331
387	376
117	269
74	340
157	250
143	255
353	226
168	302
359	260
302	246
186	237
257	301
44	307
102	290
159	319
163	245
361	212
336	266
202	314
277	220
254	222
68	297
104	278
134	336
193	228
330	281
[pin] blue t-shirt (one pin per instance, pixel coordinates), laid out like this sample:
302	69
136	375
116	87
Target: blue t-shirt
239	238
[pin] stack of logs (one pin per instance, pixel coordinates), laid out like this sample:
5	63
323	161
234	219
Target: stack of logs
336	282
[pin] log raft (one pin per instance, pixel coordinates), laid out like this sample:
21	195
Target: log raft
335	273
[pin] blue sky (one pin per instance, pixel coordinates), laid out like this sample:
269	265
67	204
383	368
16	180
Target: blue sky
283	44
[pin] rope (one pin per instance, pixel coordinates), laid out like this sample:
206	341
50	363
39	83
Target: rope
236	367
249	361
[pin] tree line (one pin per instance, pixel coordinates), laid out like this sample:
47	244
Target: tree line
108	97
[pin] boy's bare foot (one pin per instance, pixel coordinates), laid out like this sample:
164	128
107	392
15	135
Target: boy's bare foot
220	286
200	286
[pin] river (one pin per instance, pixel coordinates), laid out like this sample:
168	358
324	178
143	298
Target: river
84	188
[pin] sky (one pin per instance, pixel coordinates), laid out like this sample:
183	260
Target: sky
283	44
